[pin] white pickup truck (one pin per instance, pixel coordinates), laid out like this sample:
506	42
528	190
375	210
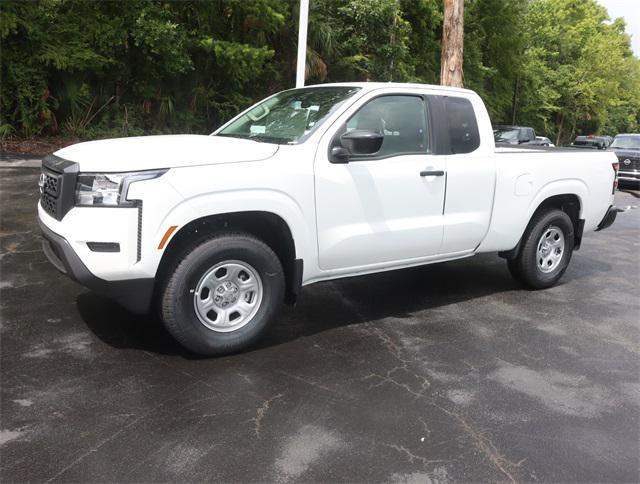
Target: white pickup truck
317	183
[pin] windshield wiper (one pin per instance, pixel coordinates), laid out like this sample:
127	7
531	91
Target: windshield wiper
258	138
233	135
269	139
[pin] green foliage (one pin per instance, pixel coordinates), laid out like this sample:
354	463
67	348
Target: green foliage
579	73
424	39
82	67
241	63
373	38
493	51
113	68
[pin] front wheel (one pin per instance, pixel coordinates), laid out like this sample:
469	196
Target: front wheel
547	246
222	294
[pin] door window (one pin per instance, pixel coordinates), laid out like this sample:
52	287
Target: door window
400	119
463	128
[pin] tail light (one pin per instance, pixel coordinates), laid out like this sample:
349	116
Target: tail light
616	167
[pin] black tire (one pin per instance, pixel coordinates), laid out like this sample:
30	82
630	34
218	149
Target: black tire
177	297
525	267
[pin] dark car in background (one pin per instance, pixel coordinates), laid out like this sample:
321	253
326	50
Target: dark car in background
515	135
627	149
592	142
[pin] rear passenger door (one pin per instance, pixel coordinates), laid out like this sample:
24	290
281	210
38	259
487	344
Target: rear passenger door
471	172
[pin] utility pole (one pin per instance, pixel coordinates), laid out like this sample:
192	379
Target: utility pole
452	43
302	43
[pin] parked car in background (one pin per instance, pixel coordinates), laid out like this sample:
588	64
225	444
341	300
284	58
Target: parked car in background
592	142
514	135
627	149
544	141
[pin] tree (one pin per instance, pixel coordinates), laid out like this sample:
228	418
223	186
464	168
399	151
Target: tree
371	40
577	67
493	50
425	21
452	44
95	69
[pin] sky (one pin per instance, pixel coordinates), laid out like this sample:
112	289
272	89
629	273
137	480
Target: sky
630	10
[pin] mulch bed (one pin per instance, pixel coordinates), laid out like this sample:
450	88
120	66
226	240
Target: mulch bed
34	146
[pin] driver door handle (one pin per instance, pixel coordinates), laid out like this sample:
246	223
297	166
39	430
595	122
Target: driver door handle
432	173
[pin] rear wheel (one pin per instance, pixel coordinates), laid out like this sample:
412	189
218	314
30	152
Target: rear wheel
222	295
547	246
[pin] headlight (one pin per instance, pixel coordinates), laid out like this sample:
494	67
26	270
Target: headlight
109	189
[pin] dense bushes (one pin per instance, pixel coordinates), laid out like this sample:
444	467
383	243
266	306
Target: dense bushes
113	68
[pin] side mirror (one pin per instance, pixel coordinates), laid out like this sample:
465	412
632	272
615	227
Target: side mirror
354	143
362	141
339	155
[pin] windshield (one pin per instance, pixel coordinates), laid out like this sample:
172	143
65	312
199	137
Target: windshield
505	134
290	116
626	143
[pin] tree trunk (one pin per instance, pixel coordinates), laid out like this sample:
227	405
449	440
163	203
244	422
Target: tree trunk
452	43
559	136
392	39
514	102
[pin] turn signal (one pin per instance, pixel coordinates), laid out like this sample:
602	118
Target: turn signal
166	236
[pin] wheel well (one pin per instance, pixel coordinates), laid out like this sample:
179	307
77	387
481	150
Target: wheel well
266	226
568	203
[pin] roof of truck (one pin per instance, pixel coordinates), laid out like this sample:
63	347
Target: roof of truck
510	126
378	85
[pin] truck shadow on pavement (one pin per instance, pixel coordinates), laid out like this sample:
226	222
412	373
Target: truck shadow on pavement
121	329
633	193
401	294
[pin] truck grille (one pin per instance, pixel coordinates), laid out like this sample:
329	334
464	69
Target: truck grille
49	204
57	185
50	184
634	163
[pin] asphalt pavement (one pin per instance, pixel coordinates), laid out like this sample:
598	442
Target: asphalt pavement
444	373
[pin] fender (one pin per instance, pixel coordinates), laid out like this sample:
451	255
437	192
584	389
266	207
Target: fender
511	219
568	186
234	201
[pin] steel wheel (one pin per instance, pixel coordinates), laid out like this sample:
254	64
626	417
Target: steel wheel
228	295
550	249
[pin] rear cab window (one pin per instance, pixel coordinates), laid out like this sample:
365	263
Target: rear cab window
462	125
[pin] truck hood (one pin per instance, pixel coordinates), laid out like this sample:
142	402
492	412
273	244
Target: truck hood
169	151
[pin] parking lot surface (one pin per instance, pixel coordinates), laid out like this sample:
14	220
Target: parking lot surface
450	372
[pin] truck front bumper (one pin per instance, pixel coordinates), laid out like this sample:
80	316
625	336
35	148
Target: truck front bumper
628	176
134	294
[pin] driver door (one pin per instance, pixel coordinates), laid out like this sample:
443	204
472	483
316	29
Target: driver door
387	206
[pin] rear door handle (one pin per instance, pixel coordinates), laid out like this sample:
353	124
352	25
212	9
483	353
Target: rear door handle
432	173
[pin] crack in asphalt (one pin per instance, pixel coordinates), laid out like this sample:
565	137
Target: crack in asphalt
261	413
